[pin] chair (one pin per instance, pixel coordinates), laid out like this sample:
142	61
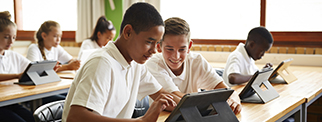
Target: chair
141	107
50	112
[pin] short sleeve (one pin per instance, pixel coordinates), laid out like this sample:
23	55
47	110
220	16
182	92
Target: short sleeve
157	69
234	66
33	53
148	84
24	62
63	56
91	92
210	79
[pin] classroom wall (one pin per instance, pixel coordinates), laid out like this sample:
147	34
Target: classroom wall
115	15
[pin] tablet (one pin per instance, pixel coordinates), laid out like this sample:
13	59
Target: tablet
203	107
258	89
39	72
283	71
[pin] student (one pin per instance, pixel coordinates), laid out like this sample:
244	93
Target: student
104	32
12	65
180	71
48	38
108	85
240	65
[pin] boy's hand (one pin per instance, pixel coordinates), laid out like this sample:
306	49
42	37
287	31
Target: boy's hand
234	105
73	64
159	104
268	65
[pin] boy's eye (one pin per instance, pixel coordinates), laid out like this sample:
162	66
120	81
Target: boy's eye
182	50
149	42
170	49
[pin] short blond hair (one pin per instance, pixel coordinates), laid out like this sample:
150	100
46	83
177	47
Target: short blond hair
176	26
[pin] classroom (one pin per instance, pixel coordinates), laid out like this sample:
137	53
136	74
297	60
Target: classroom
216	31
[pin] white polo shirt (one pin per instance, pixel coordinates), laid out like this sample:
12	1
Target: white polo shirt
56	53
197	73
110	86
12	63
239	62
88	44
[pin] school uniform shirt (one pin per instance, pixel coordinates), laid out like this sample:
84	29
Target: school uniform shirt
197	73
239	62
56	53
12	63
88	44
110	86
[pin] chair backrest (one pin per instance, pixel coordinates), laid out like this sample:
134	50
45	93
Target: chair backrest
141	107
50	112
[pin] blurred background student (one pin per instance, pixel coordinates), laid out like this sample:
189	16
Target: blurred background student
104	32
48	38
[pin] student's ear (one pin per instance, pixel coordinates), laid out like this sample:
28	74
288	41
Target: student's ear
190	45
43	35
127	31
251	44
159	47
98	34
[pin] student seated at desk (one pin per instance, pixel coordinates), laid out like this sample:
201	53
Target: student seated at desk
104	32
108	85
180	71
48	38
12	65
240	65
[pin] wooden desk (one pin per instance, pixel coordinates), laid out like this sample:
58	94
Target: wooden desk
11	93
294	98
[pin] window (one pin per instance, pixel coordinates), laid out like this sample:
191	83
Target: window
35	12
7	5
294	15
209	19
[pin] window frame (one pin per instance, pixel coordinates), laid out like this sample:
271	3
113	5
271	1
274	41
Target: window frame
285	38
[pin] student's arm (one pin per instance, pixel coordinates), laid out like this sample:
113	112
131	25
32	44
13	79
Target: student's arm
9	76
82	114
163	91
178	93
236	78
72	65
233	100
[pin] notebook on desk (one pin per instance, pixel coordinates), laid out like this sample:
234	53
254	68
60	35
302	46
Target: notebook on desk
205	106
39	73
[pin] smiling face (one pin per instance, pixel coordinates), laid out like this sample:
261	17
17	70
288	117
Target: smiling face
174	50
104	38
53	38
7	37
142	46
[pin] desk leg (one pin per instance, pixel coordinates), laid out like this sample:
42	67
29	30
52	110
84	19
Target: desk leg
307	104
297	112
304	112
299	115
35	104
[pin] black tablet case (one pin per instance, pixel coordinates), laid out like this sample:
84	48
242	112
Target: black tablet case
39	73
206	106
252	92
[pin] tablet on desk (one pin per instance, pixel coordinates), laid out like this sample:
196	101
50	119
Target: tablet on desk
258	89
39	72
205	106
282	70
